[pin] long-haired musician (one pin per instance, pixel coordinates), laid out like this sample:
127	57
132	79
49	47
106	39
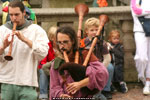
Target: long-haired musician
68	83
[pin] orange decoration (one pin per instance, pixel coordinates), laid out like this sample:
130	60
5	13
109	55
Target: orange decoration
82	43
102	3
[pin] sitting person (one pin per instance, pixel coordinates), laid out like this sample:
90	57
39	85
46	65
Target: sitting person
116	49
101	51
63	84
43	78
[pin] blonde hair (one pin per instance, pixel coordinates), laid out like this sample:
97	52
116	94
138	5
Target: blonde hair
52	33
52	37
112	33
91	22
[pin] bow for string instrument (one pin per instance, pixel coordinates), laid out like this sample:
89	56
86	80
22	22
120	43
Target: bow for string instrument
8	56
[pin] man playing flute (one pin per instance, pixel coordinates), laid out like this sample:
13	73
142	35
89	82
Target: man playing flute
18	77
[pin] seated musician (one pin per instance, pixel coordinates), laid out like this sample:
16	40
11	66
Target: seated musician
65	84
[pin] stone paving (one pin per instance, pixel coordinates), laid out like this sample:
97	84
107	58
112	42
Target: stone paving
134	93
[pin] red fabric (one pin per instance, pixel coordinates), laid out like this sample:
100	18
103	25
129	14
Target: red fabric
5	9
50	56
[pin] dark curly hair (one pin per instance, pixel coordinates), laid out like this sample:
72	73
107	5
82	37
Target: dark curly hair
68	30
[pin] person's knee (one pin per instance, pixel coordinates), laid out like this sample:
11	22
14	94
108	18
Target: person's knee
144	60
28	93
31	96
110	68
141	59
41	72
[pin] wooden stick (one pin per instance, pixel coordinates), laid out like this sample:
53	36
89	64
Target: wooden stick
8	56
81	10
66	56
76	57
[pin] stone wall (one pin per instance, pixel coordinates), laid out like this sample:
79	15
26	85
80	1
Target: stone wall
58	3
71	4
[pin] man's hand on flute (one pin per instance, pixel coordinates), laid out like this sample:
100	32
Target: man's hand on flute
6	43
23	38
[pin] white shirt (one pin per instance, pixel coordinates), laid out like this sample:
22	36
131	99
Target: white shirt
22	70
